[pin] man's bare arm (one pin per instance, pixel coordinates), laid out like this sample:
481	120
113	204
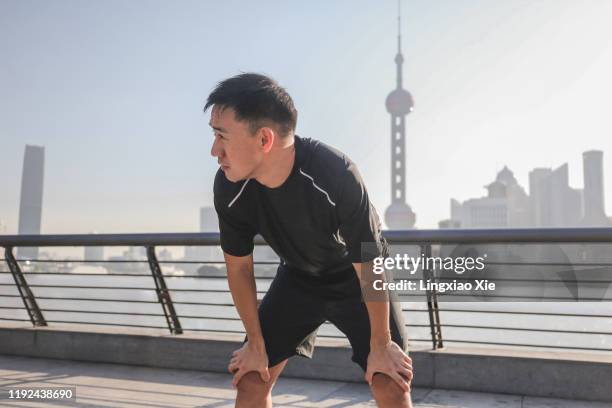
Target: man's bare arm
252	355
385	356
241	280
376	303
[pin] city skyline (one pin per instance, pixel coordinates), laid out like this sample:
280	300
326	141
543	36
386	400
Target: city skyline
549	202
127	147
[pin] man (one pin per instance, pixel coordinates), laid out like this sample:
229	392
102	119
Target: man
309	203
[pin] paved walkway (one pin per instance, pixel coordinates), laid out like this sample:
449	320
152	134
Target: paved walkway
112	385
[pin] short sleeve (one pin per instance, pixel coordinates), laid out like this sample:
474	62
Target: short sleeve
359	223
236	232
236	236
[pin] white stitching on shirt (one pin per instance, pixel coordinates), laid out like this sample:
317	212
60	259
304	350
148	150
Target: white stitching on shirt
317	187
238	195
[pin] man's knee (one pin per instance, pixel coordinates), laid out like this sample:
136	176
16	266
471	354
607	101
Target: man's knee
253	386
387	392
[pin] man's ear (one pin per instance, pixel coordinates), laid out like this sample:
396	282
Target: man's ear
267	138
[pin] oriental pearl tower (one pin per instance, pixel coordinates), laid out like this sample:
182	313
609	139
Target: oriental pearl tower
399	103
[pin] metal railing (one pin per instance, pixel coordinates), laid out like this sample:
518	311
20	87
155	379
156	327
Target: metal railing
428	319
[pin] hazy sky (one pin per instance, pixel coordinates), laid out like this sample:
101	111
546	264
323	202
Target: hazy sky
114	91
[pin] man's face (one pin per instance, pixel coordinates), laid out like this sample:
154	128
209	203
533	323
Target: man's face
238	152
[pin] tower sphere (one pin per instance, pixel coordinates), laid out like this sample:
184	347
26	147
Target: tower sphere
400	216
399	102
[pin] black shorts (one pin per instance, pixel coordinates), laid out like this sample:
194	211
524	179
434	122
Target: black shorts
293	309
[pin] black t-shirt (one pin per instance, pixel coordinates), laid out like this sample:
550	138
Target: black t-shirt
316	221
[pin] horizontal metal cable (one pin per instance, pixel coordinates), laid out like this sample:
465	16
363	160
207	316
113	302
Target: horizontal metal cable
548	263
142	275
104	313
214	330
496	279
441	297
202	304
87	299
525	329
491	343
79	287
146	274
108	324
15	320
124	288
229	319
137	261
519	313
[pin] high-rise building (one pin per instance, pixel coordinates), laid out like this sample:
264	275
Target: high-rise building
94	253
208	220
540	195
594	209
553	202
208	223
399	103
30	205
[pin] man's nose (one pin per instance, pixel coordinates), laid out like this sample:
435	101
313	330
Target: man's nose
215	151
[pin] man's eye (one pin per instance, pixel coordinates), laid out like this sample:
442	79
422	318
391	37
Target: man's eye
220	136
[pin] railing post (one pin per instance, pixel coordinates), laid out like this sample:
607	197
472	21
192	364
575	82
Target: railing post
163	295
29	300
432	300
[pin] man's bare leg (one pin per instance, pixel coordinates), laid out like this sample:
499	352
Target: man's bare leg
388	394
253	392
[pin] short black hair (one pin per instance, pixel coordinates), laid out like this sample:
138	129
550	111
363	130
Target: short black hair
256	99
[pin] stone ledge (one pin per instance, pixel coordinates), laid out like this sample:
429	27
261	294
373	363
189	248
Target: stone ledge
540	374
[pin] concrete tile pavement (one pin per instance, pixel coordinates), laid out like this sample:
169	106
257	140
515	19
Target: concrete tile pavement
113	385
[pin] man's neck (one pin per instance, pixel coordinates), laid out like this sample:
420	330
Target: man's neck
278	166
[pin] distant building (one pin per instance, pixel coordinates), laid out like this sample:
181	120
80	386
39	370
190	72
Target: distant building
553	202
208	223
594	208
93	253
208	220
30	205
506	205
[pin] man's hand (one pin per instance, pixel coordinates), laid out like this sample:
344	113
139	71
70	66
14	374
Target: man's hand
391	360
246	359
